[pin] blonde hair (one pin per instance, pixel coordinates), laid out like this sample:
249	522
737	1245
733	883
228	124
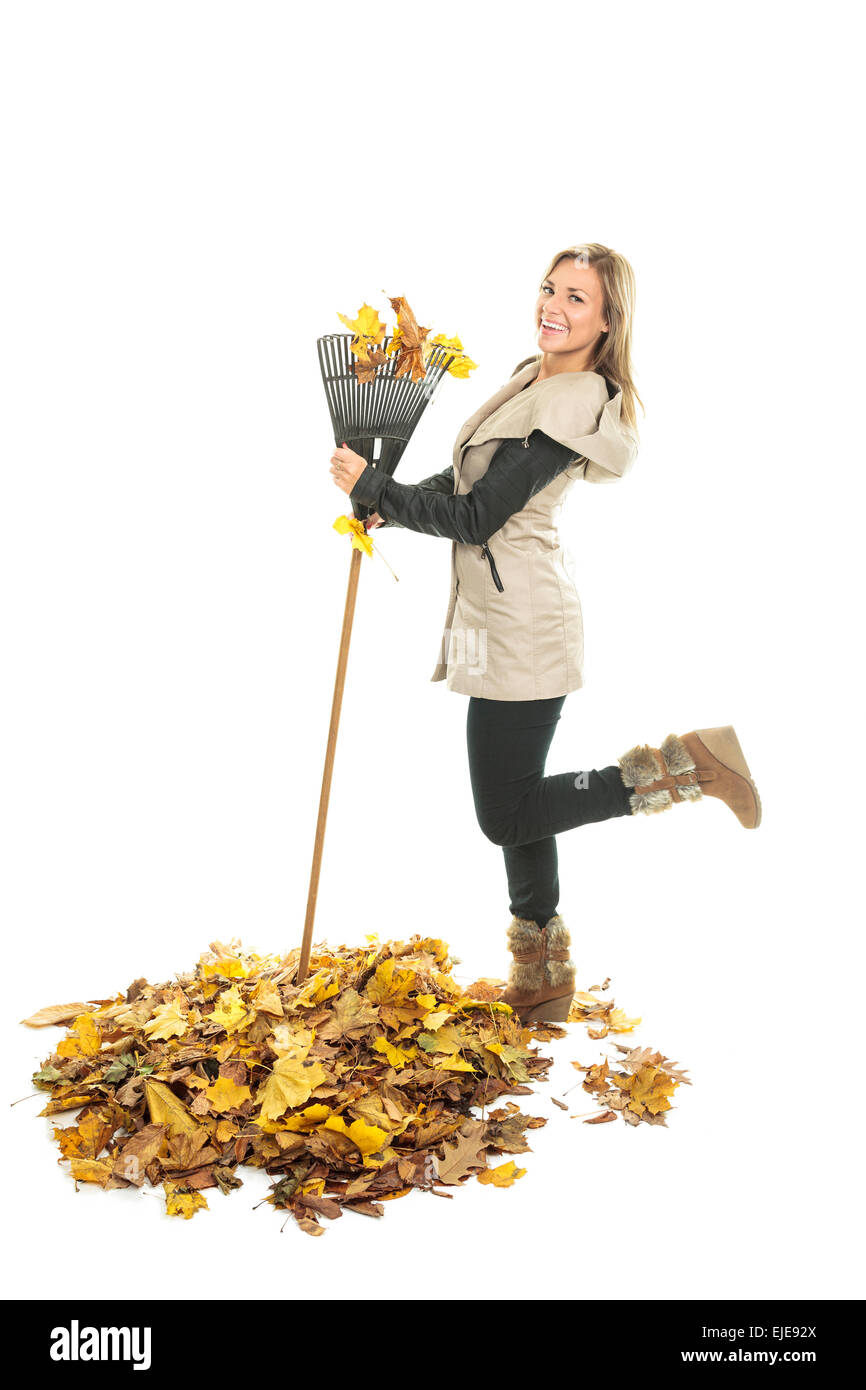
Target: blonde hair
612	356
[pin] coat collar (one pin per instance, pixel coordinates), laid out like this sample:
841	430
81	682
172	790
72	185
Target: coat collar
574	408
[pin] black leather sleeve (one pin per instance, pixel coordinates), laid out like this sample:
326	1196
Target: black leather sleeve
515	474
437	482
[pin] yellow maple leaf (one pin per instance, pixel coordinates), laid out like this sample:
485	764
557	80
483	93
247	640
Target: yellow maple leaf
398	1057
165	1108
230	1009
184	1204
352	526
368	1139
225	1094
316	990
85	1139
289	1085
447	1038
90	1170
366	325
168	1021
461	365
657	1103
452	1063
230	968
435	1020
441	341
309	1117
619	1023
87	1041
503	1176
390	985
649	1089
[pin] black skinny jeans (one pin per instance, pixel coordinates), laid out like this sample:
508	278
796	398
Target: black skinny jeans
521	809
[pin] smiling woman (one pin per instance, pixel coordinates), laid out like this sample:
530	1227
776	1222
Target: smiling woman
571	317
513	635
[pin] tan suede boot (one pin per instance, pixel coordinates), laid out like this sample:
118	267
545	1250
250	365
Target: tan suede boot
704	762
541	976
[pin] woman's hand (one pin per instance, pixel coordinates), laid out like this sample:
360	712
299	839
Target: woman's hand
373	520
346	467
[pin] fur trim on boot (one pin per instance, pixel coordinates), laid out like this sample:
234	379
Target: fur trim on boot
560	968
525	941
656	773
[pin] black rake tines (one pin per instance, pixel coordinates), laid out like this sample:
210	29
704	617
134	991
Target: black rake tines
383	411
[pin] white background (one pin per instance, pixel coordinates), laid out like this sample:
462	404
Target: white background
192	192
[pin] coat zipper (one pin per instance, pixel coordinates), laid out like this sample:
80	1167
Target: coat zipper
485	550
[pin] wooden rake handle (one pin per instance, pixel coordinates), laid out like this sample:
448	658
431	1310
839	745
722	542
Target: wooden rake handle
336	704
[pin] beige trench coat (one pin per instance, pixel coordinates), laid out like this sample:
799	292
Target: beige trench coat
526	642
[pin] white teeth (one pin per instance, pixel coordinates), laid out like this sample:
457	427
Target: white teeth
560	328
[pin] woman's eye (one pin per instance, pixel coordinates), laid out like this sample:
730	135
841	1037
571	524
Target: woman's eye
546	288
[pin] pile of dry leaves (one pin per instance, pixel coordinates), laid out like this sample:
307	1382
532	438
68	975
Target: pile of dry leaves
351	1089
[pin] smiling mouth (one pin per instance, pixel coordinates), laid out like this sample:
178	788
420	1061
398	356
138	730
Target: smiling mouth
547	327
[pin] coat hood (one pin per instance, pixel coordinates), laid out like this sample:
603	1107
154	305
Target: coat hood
574	408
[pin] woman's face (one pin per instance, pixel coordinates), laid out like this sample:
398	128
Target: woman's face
571	301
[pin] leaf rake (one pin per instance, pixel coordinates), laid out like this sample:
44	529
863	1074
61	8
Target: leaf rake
377	419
